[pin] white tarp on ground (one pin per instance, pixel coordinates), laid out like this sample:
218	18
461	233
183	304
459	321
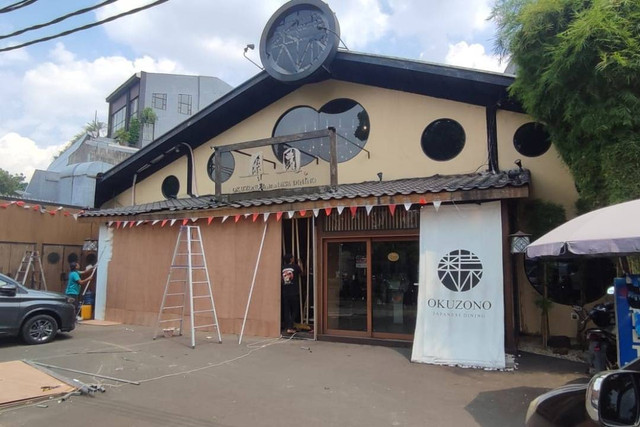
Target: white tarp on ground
460	308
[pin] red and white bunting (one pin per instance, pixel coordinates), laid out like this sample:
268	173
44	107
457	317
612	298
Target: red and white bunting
4	205
354	210
209	220
303	212
224	218
422	201
124	224
110	223
278	215
255	216
436	204
65	213
290	214
407	206
194	219
131	224
340	209
118	223
139	222
237	218
185	221
266	216
392	209
327	211
75	216
247	215
20	203
155	222
59	208
368	208
173	221
316	212
164	222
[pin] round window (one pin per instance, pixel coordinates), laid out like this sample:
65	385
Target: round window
53	258
532	140
443	139
72	257
170	187
571	281
346	116
227	163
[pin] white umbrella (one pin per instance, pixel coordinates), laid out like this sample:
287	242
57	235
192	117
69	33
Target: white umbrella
614	230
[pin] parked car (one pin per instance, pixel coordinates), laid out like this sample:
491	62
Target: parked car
37	316
611	398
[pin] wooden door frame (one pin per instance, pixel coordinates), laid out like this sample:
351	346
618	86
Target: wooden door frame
368	238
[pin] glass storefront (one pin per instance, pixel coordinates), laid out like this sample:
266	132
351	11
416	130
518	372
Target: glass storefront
371	287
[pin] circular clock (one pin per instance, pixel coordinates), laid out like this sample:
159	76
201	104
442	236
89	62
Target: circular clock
300	37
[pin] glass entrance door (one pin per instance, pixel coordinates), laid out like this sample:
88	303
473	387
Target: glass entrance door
371	287
347	286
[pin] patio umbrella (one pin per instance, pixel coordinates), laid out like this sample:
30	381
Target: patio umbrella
614	230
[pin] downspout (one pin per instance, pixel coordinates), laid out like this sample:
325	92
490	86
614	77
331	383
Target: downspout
192	185
492	139
133	189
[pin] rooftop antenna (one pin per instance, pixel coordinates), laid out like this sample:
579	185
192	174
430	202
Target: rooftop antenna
252	47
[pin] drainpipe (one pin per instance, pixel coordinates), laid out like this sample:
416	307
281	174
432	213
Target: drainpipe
192	185
492	138
133	189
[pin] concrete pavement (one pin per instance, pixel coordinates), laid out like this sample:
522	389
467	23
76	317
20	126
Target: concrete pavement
273	383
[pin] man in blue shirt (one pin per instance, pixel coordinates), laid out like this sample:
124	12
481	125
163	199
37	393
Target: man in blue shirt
74	284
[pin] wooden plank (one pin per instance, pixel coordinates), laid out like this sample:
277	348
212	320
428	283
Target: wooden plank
21	382
510	336
274	141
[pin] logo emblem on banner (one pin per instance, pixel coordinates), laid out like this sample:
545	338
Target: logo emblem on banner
460	270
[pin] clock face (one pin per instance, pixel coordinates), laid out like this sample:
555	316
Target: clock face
300	37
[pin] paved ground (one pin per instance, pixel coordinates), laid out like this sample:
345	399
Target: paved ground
274	383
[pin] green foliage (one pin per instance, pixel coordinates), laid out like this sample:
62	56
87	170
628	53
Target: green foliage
95	128
122	136
148	116
539	217
134	132
10	184
578	71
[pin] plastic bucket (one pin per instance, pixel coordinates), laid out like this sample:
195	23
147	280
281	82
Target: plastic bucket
86	312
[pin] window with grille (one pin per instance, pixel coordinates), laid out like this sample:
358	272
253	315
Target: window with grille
184	104
159	101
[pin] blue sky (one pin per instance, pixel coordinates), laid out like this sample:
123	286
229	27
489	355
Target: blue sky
50	90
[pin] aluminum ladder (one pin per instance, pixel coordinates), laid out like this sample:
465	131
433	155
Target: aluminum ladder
188	280
31	259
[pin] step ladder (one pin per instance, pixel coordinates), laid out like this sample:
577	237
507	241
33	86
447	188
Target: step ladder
31	266
188	280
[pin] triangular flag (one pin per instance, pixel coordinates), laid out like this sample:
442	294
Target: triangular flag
124	224
173	221
246	215
138	223
59	208
4	205
291	214
255	216
224	218
316	212
423	201
118	224
27	206
392	209
20	203
110	223
36	207
353	210
194	219
164	222
185	221
303	212
368	208
436	204
65	213
237	218
407	206
278	215
75	216
131	224
266	216
52	213
327	211
155	222
340	209
209	220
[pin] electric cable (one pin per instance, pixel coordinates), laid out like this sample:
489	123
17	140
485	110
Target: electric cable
16	6
84	27
60	19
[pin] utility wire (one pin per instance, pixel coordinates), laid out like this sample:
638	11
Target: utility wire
16	6
84	27
60	19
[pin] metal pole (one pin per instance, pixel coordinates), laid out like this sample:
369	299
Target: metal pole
86	373
190	283
307	266
299	278
253	282
315	280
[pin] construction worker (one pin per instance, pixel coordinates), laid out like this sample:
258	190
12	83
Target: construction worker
74	285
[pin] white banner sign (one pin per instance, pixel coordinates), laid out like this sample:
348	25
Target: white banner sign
460	301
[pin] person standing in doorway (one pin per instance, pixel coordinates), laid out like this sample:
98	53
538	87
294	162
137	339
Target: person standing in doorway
290	284
74	284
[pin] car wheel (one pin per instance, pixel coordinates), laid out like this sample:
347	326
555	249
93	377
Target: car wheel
39	329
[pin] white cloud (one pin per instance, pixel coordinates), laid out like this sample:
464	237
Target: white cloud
53	100
463	54
19	154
